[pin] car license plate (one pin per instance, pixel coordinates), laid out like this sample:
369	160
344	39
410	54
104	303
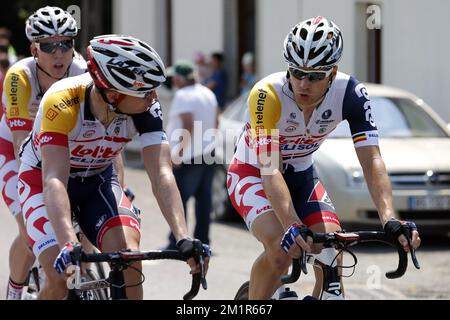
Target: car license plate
429	202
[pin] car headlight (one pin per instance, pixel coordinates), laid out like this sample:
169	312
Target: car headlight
355	178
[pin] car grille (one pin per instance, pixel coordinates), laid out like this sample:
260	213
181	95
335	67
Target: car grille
416	215
421	179
425	215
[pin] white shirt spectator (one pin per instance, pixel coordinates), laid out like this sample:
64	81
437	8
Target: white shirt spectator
202	104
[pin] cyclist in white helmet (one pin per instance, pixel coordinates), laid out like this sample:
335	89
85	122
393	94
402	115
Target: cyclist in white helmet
271	179
51	32
82	124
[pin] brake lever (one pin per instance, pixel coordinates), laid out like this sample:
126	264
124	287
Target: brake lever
303	262
202	272
413	252
408	235
201	261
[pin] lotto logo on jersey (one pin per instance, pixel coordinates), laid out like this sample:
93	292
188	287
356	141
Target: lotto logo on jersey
98	152
298	140
17	123
44	139
262	141
51	114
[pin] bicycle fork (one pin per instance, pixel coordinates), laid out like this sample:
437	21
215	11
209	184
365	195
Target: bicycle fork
331	282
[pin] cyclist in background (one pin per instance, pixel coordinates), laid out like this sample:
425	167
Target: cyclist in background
51	32
271	179
82	124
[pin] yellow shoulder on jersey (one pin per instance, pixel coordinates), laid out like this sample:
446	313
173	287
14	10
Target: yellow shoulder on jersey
17	89
264	107
60	109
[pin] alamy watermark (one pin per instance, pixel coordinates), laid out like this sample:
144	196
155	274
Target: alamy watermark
196	148
75	12
373	282
374	19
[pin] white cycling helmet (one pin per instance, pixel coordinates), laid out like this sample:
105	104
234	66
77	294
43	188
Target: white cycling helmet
314	43
49	22
125	64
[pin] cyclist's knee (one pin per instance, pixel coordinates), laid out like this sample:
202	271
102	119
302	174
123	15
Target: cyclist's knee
278	259
120	238
323	228
55	286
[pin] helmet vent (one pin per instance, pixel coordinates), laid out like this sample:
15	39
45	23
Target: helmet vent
314	54
303	33
144	57
317	35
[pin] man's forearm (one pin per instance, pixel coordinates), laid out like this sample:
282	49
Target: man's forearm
58	209
169	201
380	189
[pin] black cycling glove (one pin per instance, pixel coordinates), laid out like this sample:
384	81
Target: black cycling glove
395	228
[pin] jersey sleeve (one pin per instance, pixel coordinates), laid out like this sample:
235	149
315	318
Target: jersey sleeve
17	90
149	125
59	116
265	110
357	111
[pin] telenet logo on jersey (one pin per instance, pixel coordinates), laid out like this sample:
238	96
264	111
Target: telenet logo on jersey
65	103
260	105
14	111
13	92
51	114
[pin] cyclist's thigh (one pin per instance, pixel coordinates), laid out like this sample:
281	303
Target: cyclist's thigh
8	177
104	208
311	200
246	192
268	230
39	229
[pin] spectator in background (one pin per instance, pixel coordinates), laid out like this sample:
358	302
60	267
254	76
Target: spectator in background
193	111
248	77
203	69
217	82
4	65
5	44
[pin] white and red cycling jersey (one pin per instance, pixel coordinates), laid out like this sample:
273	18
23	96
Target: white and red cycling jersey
276	122
22	95
20	99
65	118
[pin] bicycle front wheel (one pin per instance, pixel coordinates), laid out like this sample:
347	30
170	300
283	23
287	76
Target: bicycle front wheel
242	293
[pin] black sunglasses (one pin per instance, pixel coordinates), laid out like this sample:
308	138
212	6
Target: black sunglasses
51	47
312	76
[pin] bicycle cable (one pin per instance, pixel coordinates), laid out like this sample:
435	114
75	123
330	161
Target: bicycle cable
355	260
132	285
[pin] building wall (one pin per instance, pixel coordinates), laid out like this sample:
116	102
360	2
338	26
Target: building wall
414	41
143	19
197	25
273	21
416	50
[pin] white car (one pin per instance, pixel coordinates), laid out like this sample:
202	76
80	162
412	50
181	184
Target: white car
415	145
